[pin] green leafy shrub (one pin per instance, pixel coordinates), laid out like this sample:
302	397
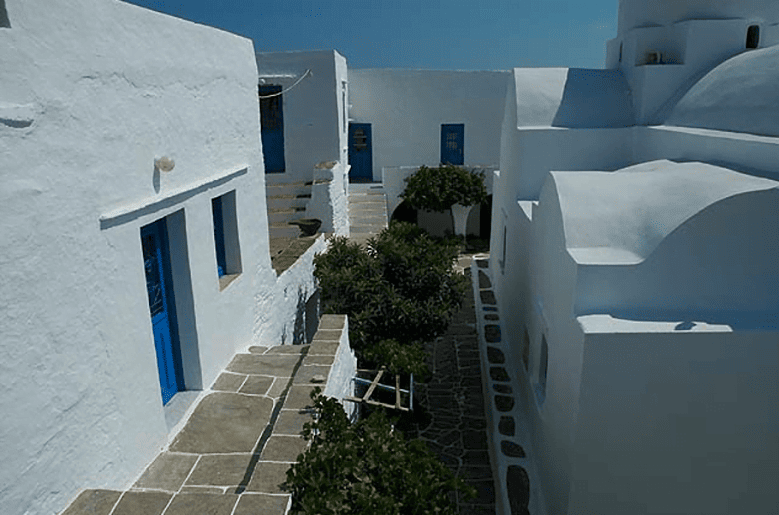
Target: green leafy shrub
367	468
401	290
437	189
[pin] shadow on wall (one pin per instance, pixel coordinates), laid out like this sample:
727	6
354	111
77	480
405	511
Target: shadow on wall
4	21
307	318
479	219
595	98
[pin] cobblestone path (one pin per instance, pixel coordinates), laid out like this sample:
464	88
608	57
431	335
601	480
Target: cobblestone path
455	428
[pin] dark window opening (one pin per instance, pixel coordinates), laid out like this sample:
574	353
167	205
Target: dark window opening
542	371
526	349
228	253
753	37
620	52
4	21
272	128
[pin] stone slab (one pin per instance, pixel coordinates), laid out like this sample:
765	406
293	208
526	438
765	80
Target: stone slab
332	322
262	504
279	365
268	477
256	349
318	360
279	384
327	348
188	489
283	448
290	422
93	502
328	334
167	472
224	423
220	470
227	382
286	349
202	504
257	385
308	374
299	397
142	503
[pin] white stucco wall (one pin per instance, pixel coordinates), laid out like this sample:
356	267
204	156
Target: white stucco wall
638	13
93	92
314	125
738	151
407	107
695	408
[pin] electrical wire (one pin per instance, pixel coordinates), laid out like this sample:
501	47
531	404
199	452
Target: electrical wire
305	74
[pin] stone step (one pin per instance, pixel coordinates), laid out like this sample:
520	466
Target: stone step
287	201
283	231
277	216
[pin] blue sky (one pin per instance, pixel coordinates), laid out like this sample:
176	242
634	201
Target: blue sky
429	34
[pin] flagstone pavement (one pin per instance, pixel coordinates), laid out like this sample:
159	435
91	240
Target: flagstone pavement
232	455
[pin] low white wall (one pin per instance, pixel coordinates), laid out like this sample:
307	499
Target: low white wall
340	382
743	152
329	198
314	125
676	421
407	107
282	319
105	88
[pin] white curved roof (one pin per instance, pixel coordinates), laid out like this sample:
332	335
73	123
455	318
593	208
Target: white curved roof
739	95
642	13
621	217
572	98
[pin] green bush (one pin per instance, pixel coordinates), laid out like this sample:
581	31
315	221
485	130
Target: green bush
398	293
437	189
367	468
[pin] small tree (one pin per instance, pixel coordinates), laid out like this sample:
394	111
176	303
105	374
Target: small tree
398	293
447	187
368	467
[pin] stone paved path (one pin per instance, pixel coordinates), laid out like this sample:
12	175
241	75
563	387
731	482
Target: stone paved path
456	431
232	455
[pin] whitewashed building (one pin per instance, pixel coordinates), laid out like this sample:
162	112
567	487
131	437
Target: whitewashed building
132	184
635	261
304	100
402	119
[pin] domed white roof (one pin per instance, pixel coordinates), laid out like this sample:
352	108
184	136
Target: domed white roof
739	95
622	216
642	13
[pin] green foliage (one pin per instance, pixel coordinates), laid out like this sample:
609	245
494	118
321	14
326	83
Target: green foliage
367	468
437	189
401	291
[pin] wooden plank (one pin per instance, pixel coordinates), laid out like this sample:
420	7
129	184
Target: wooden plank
373	385
397	391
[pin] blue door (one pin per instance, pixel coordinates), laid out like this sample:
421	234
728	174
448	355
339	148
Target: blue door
452	147
156	263
360	152
272	128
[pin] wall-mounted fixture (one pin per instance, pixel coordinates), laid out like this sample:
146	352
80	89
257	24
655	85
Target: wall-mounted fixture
654	57
164	164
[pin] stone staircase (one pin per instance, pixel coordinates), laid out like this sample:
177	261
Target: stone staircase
286	202
367	211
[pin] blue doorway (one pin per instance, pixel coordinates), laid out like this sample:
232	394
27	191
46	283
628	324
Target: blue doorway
159	287
272	128
360	152
452	143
